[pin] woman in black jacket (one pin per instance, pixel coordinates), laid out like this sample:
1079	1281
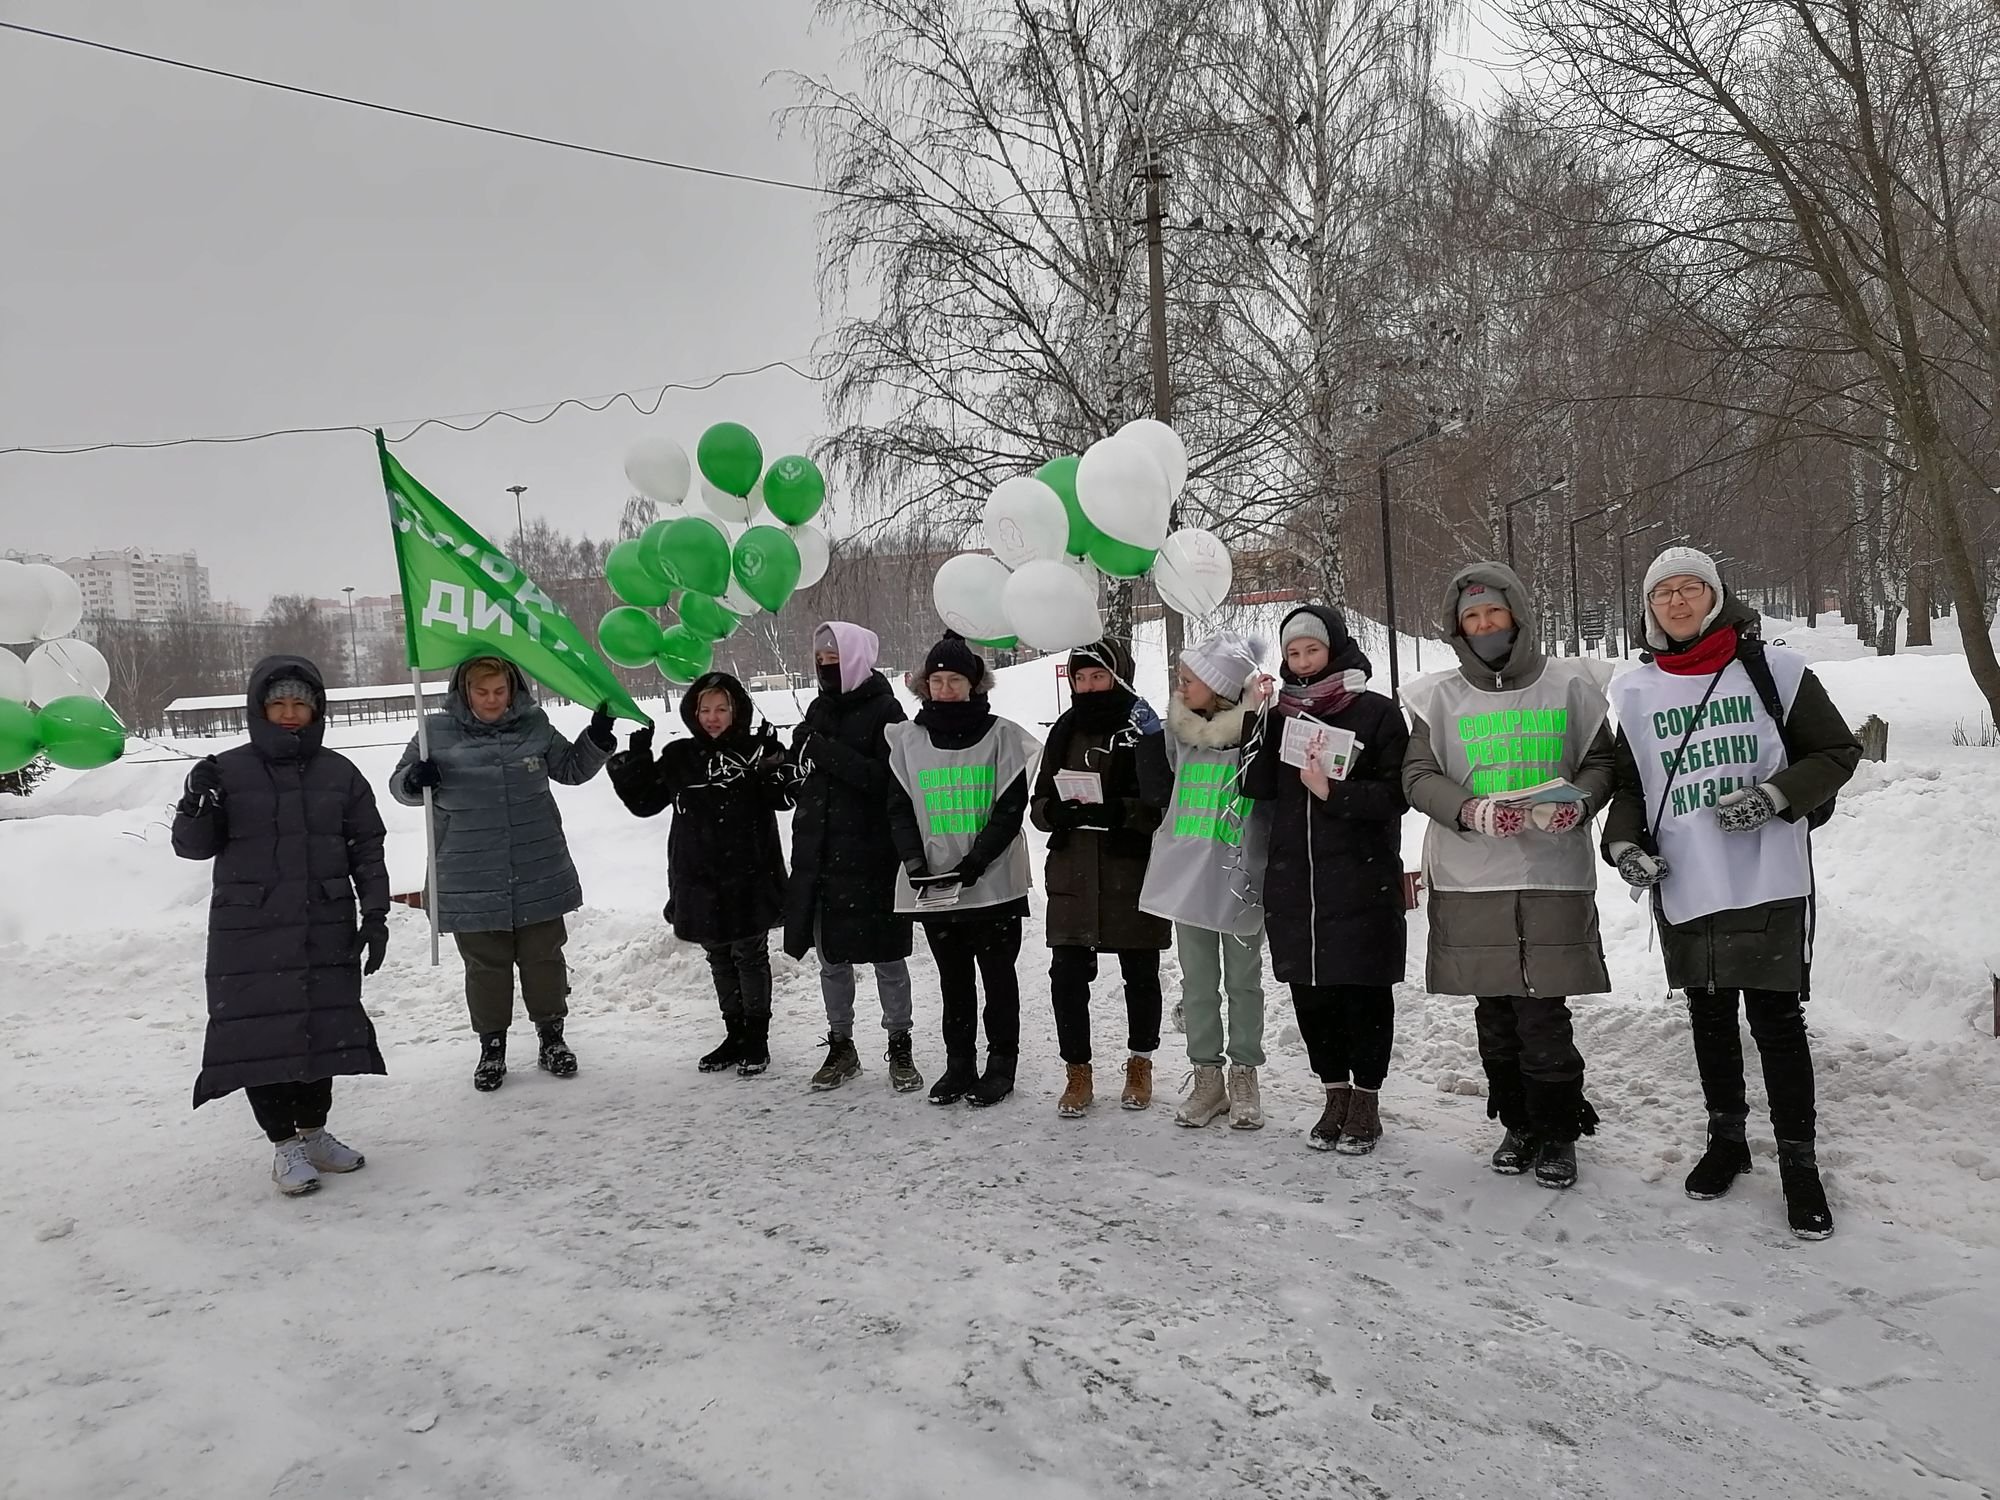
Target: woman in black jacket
1333	886
294	834
842	895
725	866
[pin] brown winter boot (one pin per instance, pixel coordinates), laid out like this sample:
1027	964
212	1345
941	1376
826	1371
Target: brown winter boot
1076	1093
1327	1131
1363	1126
1138	1083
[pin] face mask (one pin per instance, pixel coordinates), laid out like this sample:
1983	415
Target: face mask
1494	648
829	678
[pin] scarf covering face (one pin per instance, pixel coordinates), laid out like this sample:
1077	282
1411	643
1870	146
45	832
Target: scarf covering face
956	718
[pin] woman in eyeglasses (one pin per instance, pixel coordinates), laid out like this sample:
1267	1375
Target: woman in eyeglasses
1728	753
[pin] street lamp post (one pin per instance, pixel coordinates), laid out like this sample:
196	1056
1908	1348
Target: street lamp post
1624	587
353	653
520	526
1388	545
1575	608
1560	482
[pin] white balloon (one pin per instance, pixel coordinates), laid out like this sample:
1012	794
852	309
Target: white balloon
13	677
24	604
1193	573
67	669
967	593
658	468
65	597
1123	492
1050	608
1090	573
815	553
1025	520
737	508
1168	451
735	600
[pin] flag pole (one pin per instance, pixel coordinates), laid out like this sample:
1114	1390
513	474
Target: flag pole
430	814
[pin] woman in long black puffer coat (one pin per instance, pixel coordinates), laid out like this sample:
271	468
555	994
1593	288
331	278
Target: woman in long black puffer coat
1333	886
725	865
294	833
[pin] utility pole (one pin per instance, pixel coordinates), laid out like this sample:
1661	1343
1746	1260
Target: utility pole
520	526
1575	602
353	653
1153	174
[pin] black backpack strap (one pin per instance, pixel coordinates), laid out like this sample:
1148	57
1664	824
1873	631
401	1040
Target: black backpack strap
1674	771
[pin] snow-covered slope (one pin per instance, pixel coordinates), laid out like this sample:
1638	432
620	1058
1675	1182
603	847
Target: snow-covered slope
647	1282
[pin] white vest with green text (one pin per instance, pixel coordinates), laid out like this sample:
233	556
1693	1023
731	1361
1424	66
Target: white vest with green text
953	792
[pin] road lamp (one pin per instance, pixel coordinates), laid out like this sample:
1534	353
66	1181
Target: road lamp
1624	586
353	654
520	526
1388	546
1575	608
1560	482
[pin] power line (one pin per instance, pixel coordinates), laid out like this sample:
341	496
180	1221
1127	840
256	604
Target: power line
459	422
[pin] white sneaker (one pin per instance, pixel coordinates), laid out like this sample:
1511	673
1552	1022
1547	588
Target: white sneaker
1246	1110
329	1155
1207	1101
292	1170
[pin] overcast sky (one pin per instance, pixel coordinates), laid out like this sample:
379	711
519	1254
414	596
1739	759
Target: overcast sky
188	255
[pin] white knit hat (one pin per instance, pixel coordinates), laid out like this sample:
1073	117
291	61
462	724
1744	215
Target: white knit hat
1677	562
1224	662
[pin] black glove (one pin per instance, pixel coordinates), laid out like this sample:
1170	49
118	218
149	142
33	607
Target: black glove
602	726
969	870
1062	816
1099	815
916	869
640	745
374	937
422	775
205	780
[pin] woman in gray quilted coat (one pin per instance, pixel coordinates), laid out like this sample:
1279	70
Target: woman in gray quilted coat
504	876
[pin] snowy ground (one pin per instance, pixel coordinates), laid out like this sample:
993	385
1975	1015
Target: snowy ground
645	1282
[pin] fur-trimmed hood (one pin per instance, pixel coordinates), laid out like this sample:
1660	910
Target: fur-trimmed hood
1224	729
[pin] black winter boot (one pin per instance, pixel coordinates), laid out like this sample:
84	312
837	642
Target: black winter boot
492	1069
755	1055
730	1052
1507	1102
996	1083
960	1077
1560	1114
1515	1153
1726	1159
1805	1196
555	1058
903	1075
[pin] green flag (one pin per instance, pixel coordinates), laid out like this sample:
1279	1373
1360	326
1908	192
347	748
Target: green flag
463	598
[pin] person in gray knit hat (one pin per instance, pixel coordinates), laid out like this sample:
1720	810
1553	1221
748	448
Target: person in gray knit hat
1206	875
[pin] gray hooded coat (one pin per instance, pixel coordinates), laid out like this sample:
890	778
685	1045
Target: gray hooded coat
1515	916
502	861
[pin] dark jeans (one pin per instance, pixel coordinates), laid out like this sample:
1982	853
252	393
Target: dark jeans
490	961
1071	971
742	972
1778	1026
991	946
1530	1034
1349	1029
284	1110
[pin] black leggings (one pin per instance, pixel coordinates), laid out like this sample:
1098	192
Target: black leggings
1349	1029
970	949
1778	1026
1071	971
742	974
284	1110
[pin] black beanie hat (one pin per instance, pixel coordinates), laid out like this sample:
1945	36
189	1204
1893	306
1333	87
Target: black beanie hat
952	655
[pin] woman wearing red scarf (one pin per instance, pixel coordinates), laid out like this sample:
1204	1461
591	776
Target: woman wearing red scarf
1333	882
1726	747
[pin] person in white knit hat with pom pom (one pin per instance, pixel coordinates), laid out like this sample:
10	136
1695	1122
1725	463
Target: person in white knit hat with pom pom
1206	876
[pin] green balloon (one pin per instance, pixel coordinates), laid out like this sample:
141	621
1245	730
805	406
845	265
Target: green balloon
1121	559
684	655
705	616
1059	474
629	636
632	580
20	737
794	489
81	733
731	458
767	565
1000	643
689	553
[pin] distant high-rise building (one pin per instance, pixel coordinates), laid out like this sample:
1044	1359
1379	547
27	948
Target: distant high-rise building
133	584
